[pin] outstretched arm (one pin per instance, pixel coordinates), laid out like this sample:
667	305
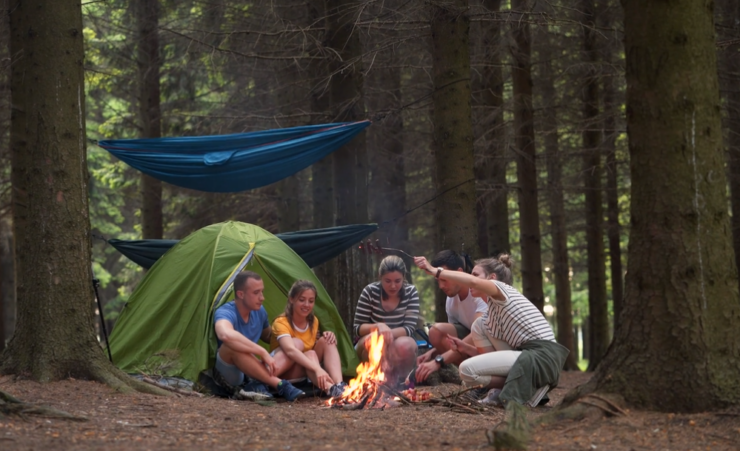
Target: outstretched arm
463	278
239	343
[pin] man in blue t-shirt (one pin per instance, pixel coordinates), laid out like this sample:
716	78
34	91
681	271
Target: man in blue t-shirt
239	325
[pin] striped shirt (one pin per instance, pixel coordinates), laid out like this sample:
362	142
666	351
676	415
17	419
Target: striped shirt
516	320
370	309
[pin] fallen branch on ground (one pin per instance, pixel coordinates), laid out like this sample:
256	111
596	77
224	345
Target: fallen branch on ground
10	405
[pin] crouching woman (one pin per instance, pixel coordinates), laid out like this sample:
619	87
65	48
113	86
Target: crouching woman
518	358
298	346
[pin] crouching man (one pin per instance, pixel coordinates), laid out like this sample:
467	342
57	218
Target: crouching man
239	325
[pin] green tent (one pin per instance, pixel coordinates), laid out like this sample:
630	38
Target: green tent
172	308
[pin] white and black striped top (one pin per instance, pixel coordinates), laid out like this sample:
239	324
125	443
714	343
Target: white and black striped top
516	320
370	309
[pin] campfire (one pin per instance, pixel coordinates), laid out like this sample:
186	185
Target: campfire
370	388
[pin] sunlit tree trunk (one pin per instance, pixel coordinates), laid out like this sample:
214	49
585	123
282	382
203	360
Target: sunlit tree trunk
148	61
678	335
529	216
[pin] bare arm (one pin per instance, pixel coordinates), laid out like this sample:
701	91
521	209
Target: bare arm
463	278
296	355
236	341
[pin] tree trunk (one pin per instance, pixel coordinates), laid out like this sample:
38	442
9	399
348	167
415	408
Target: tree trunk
350	161
54	337
147	21
598	312
558	229
493	209
729	17
612	198
457	226
682	310
529	216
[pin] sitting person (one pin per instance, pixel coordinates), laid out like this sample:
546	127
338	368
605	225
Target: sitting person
390	307
462	309
513	338
239	325
300	349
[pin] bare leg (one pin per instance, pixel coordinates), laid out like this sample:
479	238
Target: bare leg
329	357
249	365
312	374
402	356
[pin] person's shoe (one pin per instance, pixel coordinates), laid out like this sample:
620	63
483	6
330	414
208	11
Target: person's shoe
491	398
474	395
336	390
254	390
535	400
288	391
450	374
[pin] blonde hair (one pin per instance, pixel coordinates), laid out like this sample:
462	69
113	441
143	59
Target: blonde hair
501	266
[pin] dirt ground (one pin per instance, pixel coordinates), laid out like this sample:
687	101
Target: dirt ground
118	421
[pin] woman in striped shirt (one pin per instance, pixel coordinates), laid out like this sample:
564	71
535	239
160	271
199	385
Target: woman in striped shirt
390	307
513	325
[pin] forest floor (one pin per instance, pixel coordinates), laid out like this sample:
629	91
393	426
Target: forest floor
138	421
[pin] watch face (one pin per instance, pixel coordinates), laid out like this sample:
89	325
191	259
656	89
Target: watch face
439	359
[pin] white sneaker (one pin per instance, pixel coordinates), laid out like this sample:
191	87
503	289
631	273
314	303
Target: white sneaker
251	396
491	398
538	395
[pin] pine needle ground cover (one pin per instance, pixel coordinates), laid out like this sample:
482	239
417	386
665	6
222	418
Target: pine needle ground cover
137	421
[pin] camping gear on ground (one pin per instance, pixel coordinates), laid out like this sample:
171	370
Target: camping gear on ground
314	246
171	311
233	163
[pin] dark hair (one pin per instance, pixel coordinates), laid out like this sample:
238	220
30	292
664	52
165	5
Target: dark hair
501	266
299	286
241	279
453	261
392	263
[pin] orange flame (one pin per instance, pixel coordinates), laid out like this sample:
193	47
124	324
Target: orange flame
369	374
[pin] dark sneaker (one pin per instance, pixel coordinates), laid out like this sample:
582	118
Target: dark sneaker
336	390
474	395
289	392
491	398
254	390
450	374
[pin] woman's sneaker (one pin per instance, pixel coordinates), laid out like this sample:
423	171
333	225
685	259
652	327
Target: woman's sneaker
336	390
492	398
288	391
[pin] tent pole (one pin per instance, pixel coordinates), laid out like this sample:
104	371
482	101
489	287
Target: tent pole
96	284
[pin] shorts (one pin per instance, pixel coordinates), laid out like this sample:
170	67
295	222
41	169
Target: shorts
230	373
461	330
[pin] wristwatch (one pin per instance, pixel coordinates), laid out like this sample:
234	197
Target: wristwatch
440	359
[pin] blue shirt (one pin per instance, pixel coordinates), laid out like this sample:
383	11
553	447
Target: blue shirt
251	329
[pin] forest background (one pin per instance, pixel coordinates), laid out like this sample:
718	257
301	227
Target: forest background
545	91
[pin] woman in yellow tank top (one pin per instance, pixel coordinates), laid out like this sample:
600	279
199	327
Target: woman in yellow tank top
300	349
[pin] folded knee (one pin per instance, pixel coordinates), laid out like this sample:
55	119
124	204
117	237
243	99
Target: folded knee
470	376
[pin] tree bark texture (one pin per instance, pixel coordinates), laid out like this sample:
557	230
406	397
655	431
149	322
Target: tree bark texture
54	336
322	172
529	216
350	161
493	209
614	232
729	18
149	62
558	229
457	226
681	313
592	173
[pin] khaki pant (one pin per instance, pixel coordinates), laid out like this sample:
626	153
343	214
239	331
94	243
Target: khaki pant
479	369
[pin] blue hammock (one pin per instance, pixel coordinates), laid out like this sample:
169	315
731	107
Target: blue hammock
233	163
313	246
